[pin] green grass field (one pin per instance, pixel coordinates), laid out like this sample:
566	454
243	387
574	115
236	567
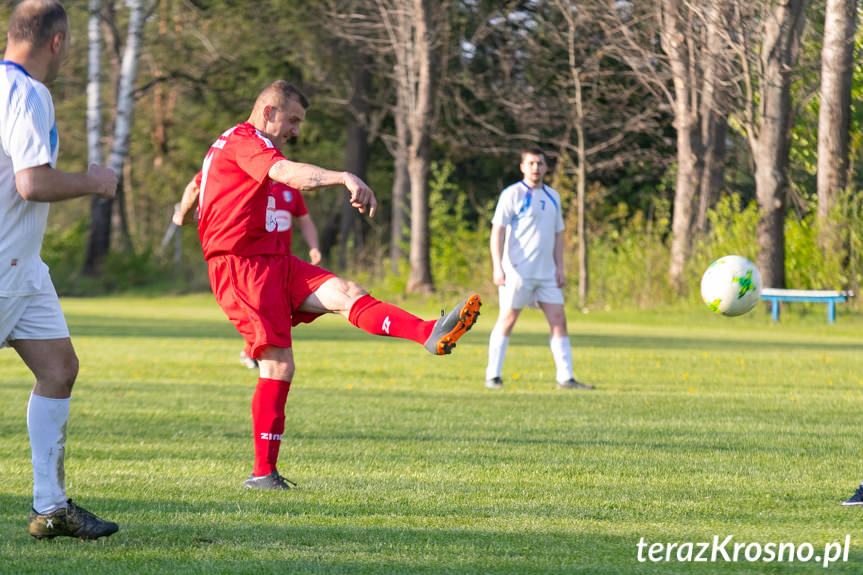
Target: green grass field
701	426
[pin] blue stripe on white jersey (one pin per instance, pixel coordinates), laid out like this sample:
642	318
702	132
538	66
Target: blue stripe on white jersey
55	140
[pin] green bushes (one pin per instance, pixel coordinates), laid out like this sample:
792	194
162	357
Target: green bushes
63	251
458	233
628	264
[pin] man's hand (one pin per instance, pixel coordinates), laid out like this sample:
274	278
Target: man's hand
499	277
104	181
177	217
361	194
314	256
560	275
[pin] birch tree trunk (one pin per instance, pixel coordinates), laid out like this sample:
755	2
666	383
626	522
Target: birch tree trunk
126	102
102	221
94	84
783	27
99	240
835	112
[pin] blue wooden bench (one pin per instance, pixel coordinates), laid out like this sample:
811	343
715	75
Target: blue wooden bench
776	295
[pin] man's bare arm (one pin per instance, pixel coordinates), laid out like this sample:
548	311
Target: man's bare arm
45	184
305	176
310	234
184	213
498	234
311	177
560	271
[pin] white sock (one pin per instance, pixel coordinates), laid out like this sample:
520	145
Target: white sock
46	422
496	352
562	355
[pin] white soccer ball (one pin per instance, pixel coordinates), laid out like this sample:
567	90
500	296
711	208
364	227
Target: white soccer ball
731	285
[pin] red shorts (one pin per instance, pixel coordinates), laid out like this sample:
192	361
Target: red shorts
261	294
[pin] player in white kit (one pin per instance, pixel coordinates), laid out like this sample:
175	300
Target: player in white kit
527	259
31	321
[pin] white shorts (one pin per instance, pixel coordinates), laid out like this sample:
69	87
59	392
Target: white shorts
517	292
36	316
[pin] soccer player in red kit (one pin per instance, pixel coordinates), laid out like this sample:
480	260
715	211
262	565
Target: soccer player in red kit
290	212
261	287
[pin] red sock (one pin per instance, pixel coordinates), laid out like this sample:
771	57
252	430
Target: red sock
381	318
268	422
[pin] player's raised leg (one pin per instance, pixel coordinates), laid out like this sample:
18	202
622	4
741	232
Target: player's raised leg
55	365
347	298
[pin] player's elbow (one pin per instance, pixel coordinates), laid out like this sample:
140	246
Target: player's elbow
28	194
27	186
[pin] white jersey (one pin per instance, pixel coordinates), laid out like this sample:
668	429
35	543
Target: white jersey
28	138
532	218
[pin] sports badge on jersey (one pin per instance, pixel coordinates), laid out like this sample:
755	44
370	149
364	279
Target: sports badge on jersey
272	223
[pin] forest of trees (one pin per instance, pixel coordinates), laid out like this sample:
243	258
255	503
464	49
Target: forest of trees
677	130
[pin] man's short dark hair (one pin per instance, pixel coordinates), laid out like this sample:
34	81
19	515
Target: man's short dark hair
533	151
287	91
35	22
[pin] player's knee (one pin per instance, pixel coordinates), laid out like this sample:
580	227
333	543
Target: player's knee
506	322
353	291
283	371
558	332
277	363
504	328
60	378
350	293
70	372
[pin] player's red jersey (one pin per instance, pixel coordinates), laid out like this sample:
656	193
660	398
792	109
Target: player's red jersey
237	203
289	205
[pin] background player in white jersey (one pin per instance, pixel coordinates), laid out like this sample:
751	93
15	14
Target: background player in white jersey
31	320
527	257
